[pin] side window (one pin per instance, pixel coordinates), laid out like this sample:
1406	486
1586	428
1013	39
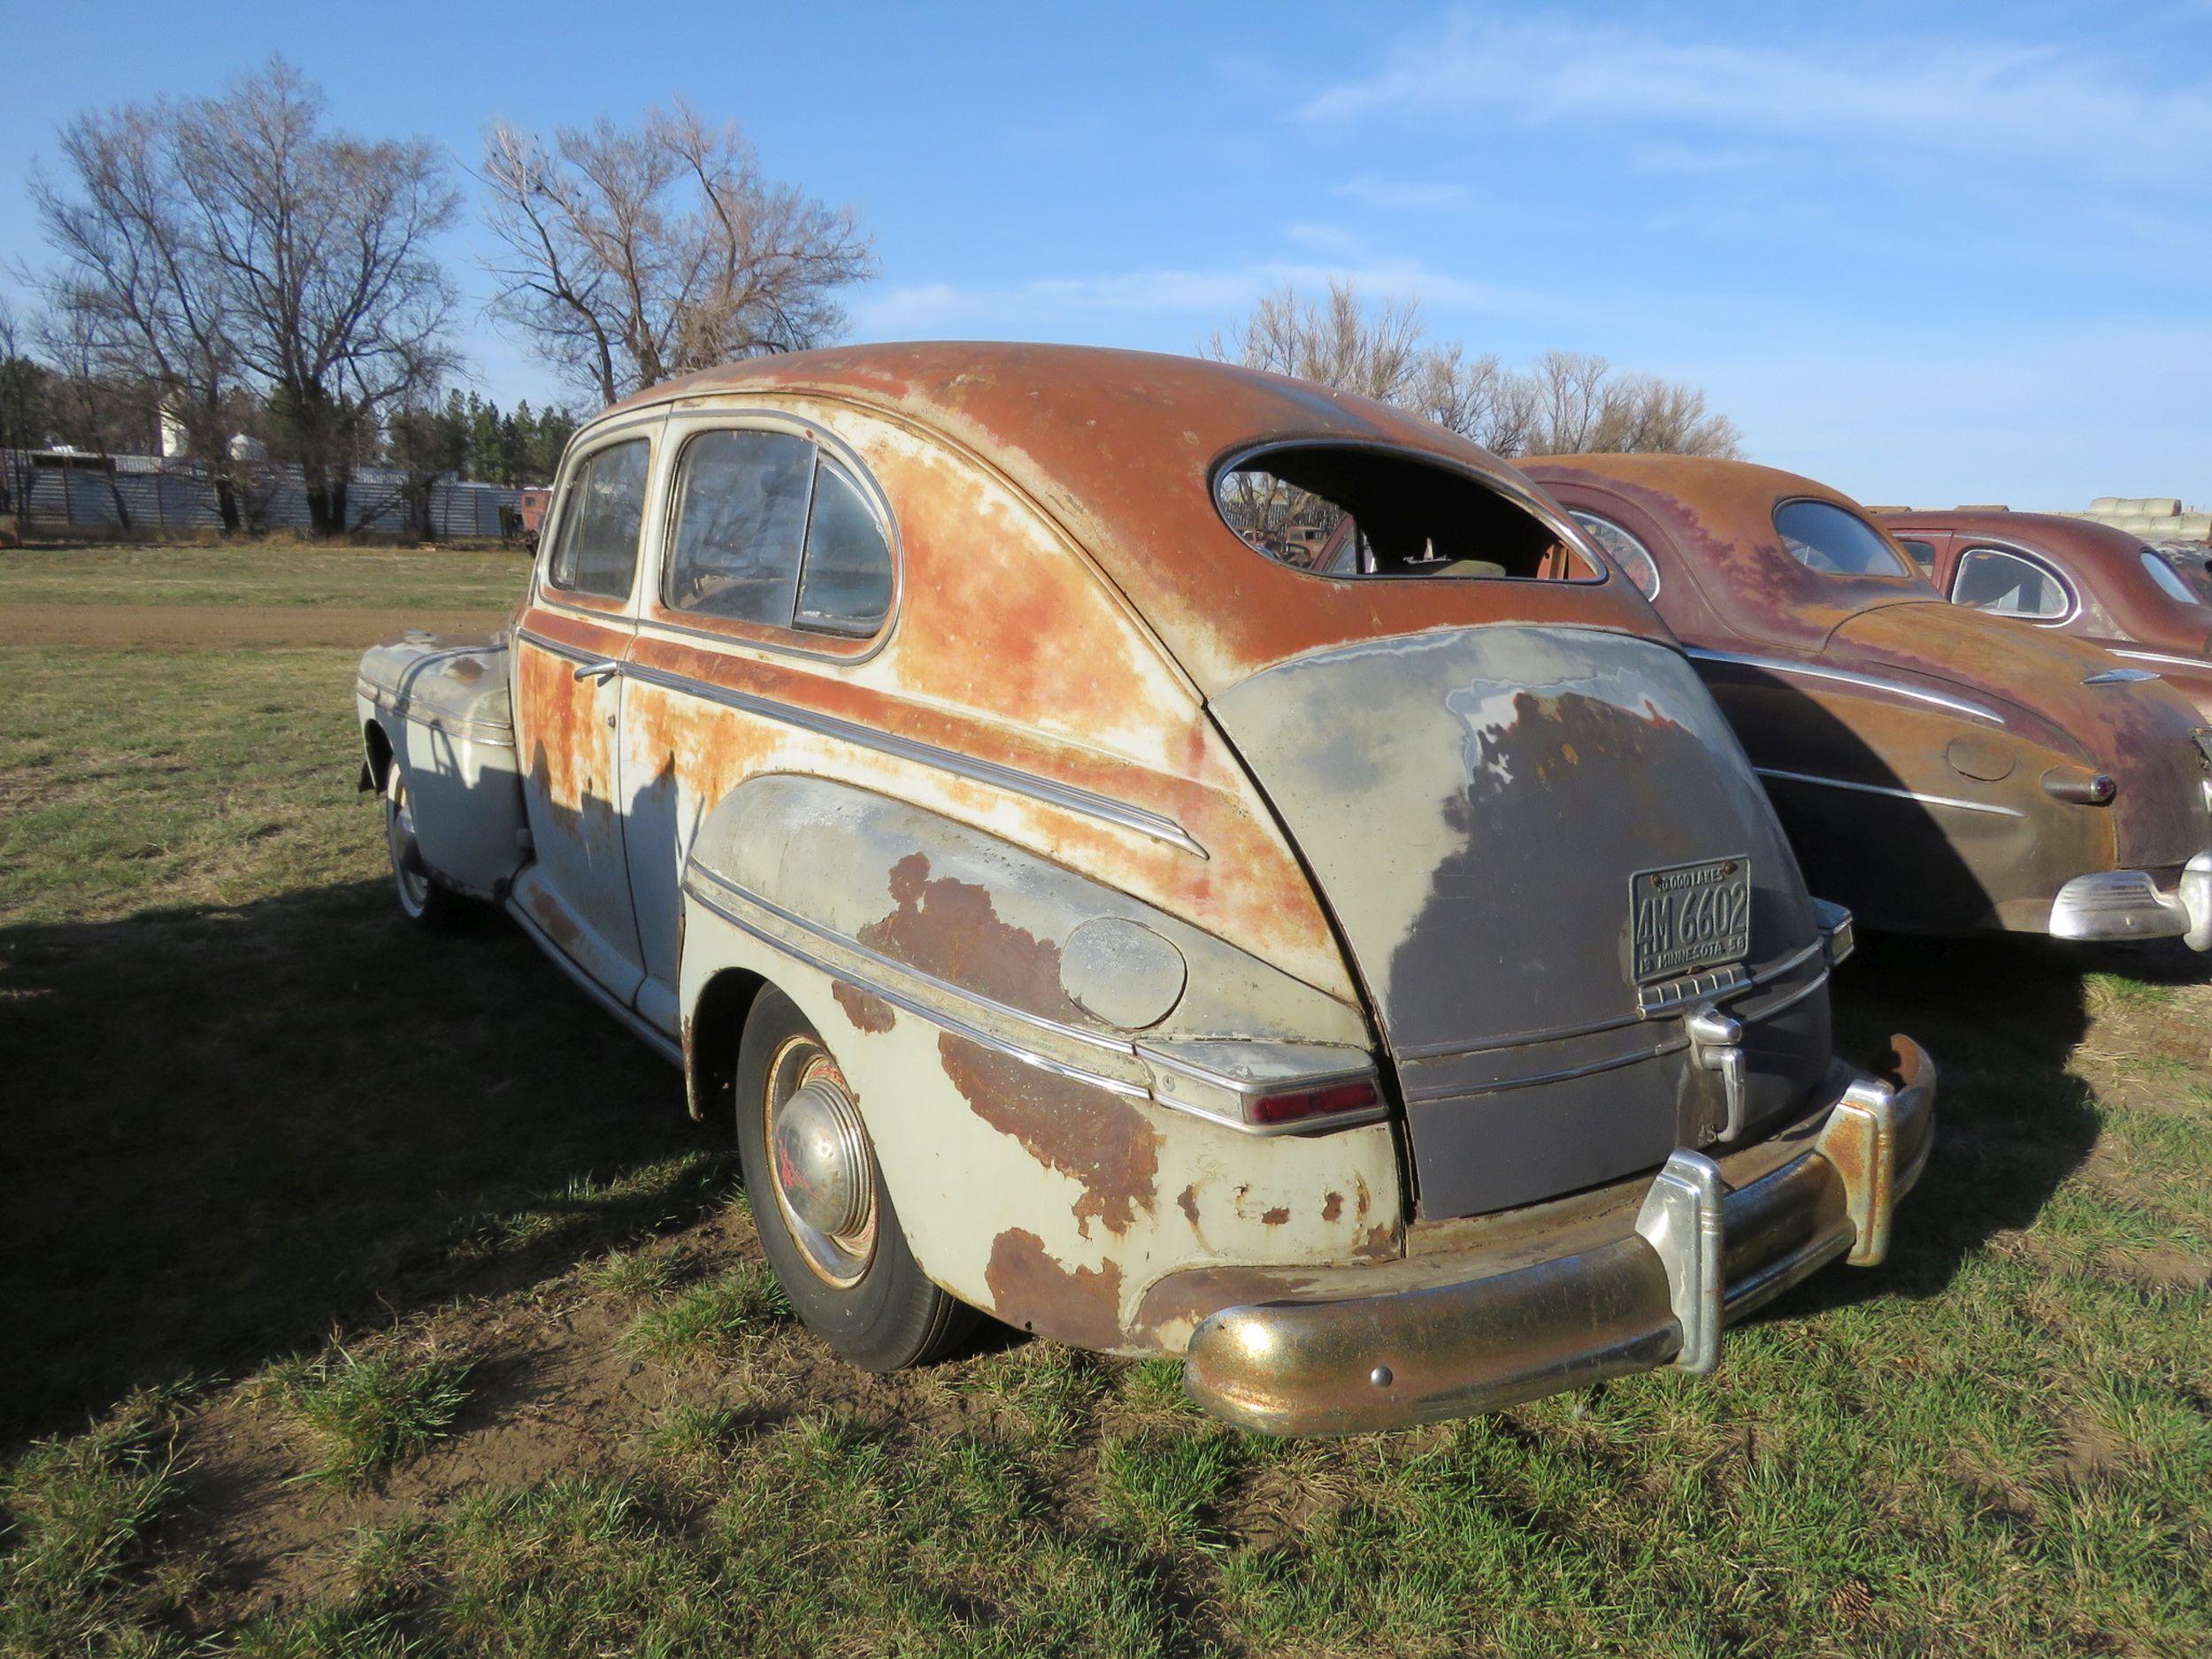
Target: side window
1824	537
741	521
1921	553
1991	579
2166	578
600	519
768	531
1623	549
845	586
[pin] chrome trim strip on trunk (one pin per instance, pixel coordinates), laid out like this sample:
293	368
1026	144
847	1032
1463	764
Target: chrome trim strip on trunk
2198	663
1067	797
1848	676
1902	795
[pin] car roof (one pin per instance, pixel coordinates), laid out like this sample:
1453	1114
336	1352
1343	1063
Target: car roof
1121	449
2059	532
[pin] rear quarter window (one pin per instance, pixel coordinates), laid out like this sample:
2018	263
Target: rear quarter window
1353	513
1834	541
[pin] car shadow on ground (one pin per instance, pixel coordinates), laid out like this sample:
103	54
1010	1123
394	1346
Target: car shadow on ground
232	1129
2002	1016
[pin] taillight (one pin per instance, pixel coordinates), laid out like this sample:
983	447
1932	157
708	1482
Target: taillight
1329	1100
2080	785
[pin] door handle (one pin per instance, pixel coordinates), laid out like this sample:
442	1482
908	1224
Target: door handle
598	673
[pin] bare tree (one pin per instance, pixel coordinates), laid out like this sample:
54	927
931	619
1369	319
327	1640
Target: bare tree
233	242
631	255
1565	403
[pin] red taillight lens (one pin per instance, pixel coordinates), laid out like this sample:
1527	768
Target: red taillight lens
1327	1101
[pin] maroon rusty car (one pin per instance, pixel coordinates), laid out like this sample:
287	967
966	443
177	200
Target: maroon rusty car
1938	769
2072	576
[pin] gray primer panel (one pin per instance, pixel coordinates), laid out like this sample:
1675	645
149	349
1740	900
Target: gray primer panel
1474	802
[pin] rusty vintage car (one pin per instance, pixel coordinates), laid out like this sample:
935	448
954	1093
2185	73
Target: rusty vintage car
2072	576
1390	991
1939	771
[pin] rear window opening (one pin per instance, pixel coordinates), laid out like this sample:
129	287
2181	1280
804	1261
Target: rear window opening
1341	510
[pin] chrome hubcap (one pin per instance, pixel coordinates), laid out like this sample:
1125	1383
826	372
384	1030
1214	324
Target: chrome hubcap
818	1152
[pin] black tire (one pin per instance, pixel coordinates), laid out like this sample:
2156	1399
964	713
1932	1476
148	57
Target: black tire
422	901
880	1312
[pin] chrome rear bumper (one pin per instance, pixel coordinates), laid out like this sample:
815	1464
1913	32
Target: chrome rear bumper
1698	1256
2129	905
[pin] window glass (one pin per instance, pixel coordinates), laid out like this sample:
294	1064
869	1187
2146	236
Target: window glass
1921	553
600	521
846	585
1345	511
1624	550
2168	578
740	523
1824	537
2007	585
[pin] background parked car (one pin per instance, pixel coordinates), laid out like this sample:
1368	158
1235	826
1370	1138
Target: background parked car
1940	770
2070	576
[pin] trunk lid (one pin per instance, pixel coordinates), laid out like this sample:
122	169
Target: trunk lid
1482	809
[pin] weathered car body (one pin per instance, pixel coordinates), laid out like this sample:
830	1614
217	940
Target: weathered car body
1394	993
2072	576
1939	771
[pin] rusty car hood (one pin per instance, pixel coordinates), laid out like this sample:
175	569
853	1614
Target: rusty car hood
2144	733
1474	804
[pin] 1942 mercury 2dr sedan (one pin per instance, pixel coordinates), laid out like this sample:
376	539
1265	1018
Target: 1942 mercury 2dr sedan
1391	992
1939	771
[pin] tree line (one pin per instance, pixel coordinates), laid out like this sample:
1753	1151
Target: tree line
237	272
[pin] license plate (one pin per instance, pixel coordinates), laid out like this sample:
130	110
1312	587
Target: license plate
1689	916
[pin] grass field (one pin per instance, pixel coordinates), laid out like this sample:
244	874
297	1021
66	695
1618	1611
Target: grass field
369	1294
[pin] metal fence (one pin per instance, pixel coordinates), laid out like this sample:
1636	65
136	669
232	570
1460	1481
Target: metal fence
144	496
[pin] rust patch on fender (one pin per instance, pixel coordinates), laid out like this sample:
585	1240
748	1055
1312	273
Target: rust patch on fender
1101	1140
950	928
866	1009
1189	1298
1380	1244
1186	1200
1030	1288
1333	1208
1274	1217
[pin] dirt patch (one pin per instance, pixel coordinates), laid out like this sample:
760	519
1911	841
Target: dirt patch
190	628
2160	1271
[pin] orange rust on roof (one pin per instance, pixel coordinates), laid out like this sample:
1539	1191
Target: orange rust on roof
1120	447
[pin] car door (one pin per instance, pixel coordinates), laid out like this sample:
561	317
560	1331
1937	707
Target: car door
775	568
568	653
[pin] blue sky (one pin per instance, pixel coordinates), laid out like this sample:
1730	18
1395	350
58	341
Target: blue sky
1926	254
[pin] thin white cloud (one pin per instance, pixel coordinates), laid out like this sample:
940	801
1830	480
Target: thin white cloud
1219	297
2011	104
1325	239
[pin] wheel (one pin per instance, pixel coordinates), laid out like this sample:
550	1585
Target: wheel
421	900
826	1221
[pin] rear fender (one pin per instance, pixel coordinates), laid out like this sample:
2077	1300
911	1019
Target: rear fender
991	1010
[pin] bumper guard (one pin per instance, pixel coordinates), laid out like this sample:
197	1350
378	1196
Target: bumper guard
2129	905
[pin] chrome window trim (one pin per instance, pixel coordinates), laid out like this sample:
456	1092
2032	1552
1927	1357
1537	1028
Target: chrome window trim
1068	797
1848	676
557	513
2014	550
684	425
1658	577
1903	795
1560	523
